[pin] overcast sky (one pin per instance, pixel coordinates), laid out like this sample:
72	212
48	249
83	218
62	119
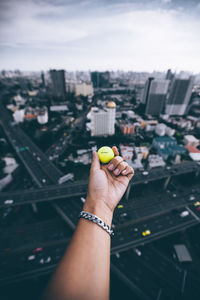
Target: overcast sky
98	34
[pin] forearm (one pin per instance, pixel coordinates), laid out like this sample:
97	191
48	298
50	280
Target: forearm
84	272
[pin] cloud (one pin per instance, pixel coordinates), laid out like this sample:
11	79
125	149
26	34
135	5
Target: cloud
98	35
166	1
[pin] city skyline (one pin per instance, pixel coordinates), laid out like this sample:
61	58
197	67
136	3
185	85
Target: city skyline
74	35
50	124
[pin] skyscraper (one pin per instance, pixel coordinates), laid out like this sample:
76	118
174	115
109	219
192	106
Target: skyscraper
179	96
43	80
146	90
100	79
154	96
103	121
169	75
58	85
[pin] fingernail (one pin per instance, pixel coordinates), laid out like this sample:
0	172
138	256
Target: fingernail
111	167
116	171
124	172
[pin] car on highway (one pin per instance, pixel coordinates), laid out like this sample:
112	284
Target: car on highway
145	173
22	149
184	214
146	232
9	201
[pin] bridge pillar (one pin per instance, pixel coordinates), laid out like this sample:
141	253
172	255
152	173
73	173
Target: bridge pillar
127	192
167	182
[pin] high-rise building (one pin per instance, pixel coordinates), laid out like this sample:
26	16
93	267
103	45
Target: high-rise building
146	90
194	105
155	95
103	121
100	79
179	96
58	85
169	75
43	80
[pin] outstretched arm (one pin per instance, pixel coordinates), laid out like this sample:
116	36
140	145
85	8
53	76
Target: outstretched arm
84	271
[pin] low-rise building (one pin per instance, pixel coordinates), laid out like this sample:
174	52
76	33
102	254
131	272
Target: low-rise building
5	181
136	164
126	152
127	129
59	108
10	165
141	152
84	158
162	130
155	161
169	131
190	140
167	146
19	100
160	142
18	116
194	152
42	115
84	89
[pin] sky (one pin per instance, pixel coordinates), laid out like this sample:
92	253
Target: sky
143	35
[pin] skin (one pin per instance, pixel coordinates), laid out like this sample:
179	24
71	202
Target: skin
84	271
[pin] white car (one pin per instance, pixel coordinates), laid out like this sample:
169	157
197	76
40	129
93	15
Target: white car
8	201
184	214
145	173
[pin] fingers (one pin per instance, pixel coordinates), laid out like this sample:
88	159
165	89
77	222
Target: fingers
95	162
114	162
118	166
115	150
129	172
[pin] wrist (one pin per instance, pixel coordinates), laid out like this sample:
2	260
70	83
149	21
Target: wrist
100	209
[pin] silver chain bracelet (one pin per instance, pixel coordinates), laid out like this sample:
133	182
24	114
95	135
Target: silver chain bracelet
88	216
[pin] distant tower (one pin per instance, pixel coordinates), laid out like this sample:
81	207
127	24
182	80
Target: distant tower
155	96
103	121
179	97
169	75
146	90
58	84
100	79
43	80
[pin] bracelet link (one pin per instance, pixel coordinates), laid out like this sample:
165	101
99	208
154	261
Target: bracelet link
89	216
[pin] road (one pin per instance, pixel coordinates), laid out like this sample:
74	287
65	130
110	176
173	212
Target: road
34	160
69	190
61	144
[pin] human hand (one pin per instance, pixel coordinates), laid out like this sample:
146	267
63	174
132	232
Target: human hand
107	183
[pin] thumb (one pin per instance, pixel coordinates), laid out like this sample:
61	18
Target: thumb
95	161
